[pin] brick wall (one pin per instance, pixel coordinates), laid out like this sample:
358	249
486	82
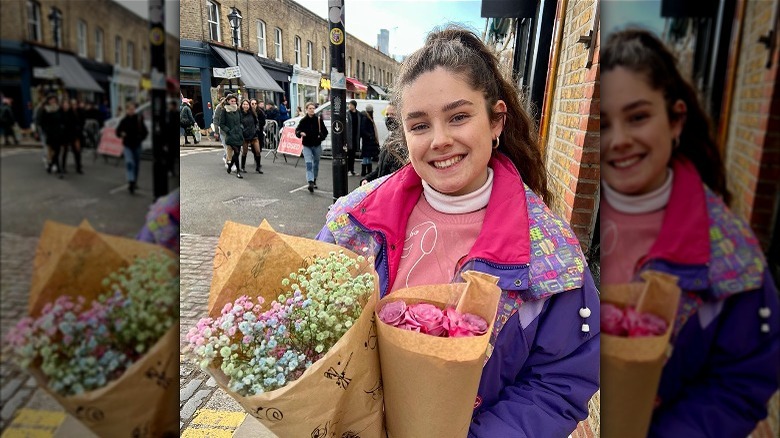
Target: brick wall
572	146
294	20
753	143
114	19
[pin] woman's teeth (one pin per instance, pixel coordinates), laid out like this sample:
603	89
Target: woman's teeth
626	163
447	163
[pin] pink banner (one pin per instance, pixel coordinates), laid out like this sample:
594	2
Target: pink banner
290	144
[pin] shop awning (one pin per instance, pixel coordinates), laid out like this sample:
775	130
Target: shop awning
73	75
356	85
253	75
378	90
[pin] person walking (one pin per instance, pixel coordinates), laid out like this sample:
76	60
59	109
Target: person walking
369	143
284	112
187	121
132	130
353	135
392	156
259	133
7	120
74	133
52	123
219	111
311	129
230	126
249	132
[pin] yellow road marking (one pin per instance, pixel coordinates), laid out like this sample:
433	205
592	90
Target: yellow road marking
207	433
34	423
214	418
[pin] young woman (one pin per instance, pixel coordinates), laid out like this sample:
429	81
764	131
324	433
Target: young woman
312	130
474	199
259	134
52	122
230	126
663	209
74	123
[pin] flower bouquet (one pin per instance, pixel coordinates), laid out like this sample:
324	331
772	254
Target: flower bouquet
431	381
102	328
636	321
290	333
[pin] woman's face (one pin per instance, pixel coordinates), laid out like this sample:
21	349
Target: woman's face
636	133
232	101
310	110
253	104
245	106
448	131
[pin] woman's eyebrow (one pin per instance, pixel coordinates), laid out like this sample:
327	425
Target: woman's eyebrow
448	107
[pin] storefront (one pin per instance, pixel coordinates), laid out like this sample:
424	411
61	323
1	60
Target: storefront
62	71
125	87
355	89
304	87
279	72
16	80
195	77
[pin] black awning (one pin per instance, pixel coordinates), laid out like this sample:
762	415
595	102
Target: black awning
253	75
508	8
378	90
69	70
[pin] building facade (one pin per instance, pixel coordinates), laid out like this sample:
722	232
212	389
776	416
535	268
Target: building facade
287	41
103	53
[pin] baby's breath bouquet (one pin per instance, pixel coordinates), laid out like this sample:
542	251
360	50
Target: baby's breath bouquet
261	350
290	333
102	329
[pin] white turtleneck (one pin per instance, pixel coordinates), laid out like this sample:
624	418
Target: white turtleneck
461	204
640	204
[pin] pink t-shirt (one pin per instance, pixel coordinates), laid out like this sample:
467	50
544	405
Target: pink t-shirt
625	239
434	244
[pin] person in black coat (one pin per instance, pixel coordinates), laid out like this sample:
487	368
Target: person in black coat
353	135
259	139
53	125
369	143
391	158
230	127
74	127
311	129
132	130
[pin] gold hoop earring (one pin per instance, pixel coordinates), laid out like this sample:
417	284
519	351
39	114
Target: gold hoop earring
675	143
496	141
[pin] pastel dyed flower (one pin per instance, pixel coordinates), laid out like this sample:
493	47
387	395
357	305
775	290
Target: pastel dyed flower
392	313
429	317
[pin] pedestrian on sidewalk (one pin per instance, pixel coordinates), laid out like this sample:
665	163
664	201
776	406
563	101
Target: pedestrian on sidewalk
665	202
369	147
392	156
259	139
474	198
187	121
7	121
51	120
132	130
74	127
230	126
311	129
353	135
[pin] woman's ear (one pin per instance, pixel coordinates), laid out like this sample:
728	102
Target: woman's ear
679	115
497	126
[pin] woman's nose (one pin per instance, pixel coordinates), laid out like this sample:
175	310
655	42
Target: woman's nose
441	137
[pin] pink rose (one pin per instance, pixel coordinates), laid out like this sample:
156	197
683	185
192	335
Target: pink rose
392	313
429	317
612	320
648	325
467	324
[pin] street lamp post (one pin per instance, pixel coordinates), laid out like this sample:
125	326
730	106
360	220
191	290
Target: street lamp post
235	23
55	17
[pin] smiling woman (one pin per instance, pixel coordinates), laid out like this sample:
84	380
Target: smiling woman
477	187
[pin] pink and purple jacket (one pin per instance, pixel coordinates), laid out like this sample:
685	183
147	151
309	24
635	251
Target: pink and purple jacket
542	368
723	368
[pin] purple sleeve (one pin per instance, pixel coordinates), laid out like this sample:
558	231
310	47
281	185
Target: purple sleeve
551	392
325	235
742	373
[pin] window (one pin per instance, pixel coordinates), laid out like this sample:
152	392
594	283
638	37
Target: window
324	65
309	54
349	68
118	50
130	54
81	38
99	44
213	19
34	21
58	40
363	72
238	31
145	64
373	74
278	43
297	50
261	39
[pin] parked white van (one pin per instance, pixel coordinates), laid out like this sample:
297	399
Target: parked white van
324	110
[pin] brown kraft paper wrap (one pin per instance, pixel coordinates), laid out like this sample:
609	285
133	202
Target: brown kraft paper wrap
143	402
339	395
631	367
431	382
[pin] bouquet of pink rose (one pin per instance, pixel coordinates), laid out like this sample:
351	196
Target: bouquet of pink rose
418	370
636	322
431	320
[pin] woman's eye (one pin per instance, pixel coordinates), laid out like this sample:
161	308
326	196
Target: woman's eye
460	117
418	127
637	117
